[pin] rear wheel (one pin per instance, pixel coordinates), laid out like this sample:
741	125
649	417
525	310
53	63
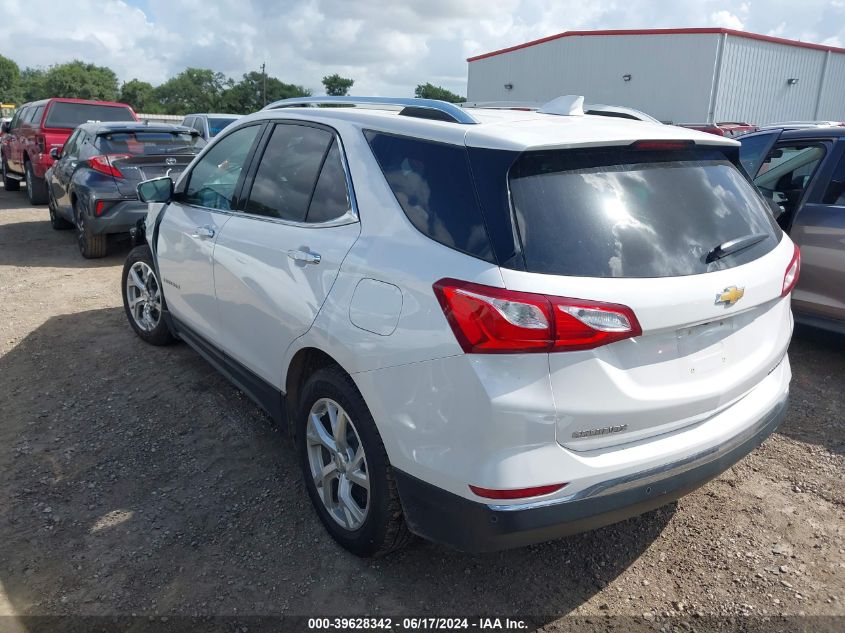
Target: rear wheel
143	299
91	246
36	188
346	470
10	184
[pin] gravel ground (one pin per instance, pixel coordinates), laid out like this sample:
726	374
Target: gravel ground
136	480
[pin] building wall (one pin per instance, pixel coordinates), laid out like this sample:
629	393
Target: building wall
671	75
683	78
753	82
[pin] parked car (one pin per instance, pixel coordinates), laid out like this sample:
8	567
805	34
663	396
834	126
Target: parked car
729	129
38	127
209	125
486	327
803	171
93	183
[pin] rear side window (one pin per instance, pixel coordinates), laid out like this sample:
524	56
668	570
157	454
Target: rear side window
433	184
69	115
288	171
331	196
34	115
835	192
626	213
216	125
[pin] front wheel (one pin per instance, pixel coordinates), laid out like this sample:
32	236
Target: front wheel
142	297
36	188
10	184
345	466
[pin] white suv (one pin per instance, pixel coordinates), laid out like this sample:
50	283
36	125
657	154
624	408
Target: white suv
486	327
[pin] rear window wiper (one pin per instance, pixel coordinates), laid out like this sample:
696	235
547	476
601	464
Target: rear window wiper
733	246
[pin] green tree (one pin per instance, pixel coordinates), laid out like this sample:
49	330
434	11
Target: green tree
248	94
141	96
337	86
193	90
32	84
10	77
81	81
430	91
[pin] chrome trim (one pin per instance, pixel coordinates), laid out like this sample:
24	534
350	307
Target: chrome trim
458	114
658	473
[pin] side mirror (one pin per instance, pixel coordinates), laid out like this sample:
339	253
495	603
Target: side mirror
775	209
156	190
5	127
55	153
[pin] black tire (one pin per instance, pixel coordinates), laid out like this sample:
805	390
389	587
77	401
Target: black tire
90	246
10	184
160	334
56	221
383	529
36	188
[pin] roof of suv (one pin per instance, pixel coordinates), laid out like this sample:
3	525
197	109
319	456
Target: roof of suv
801	133
506	129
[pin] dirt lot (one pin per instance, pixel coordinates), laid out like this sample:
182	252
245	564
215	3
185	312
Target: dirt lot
136	480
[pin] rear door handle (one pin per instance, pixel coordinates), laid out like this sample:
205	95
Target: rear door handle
304	256
204	231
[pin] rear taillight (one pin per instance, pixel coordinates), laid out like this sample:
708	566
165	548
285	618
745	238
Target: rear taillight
662	145
790	277
489	320
103	164
41	142
515	493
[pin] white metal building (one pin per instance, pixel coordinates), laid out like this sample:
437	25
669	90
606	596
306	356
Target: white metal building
700	75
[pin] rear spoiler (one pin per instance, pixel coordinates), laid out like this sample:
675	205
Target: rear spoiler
133	130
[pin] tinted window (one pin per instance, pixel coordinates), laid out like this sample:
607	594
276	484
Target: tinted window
634	214
835	192
16	120
69	115
216	125
198	125
331	197
213	180
34	115
433	185
71	148
188	121
288	172
148	143
752	150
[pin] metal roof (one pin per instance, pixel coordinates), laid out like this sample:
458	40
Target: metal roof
689	31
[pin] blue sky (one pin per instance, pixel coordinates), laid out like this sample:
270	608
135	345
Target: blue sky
387	47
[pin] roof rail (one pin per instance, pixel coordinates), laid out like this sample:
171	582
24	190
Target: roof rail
422	108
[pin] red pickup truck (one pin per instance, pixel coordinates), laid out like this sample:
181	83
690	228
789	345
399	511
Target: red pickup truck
39	126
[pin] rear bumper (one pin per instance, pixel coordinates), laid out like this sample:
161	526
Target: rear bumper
446	518
121	217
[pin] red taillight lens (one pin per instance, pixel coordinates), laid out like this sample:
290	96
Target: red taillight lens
489	320
98	208
790	277
103	164
517	493
42	143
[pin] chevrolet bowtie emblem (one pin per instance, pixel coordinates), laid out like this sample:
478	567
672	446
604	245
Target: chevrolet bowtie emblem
730	296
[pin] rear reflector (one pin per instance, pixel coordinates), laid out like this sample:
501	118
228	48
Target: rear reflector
103	164
516	493
489	320
98	208
790	277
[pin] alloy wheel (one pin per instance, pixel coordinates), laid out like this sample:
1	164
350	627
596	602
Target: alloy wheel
338	463
143	296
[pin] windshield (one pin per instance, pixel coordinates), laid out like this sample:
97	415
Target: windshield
69	115
623	213
216	125
145	143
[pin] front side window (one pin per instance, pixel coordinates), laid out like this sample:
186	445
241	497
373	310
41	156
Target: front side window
213	180
623	213
786	173
72	146
433	184
287	173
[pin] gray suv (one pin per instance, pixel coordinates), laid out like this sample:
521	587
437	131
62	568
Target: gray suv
209	125
803	172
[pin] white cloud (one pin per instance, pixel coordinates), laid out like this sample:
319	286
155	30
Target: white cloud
386	47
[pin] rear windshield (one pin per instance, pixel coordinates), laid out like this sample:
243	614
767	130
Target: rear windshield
138	143
69	115
623	213
216	125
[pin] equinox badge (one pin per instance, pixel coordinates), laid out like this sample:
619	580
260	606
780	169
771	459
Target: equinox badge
730	296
